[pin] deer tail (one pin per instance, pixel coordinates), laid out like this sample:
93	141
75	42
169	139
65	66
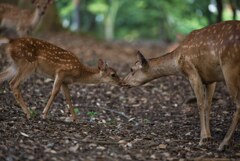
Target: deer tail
4	40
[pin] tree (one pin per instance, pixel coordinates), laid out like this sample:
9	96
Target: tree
76	16
108	9
220	10
110	18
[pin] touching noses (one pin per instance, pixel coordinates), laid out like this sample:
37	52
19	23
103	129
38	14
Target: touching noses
124	81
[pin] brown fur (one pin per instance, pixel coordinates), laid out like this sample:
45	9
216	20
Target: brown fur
22	21
206	56
31	55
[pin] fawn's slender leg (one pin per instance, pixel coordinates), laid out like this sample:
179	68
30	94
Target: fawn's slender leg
233	83
210	88
21	74
56	87
66	93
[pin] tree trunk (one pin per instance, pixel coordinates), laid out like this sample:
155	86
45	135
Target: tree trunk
108	28
110	18
76	16
234	9
220	10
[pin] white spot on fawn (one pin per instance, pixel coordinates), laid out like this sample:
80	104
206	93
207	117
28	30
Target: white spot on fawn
212	52
231	37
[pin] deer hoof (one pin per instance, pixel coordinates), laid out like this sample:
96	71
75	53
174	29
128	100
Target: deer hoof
204	140
28	115
222	146
73	118
44	116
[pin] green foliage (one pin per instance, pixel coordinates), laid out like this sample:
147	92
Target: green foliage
76	110
141	19
92	114
33	113
99	7
66	7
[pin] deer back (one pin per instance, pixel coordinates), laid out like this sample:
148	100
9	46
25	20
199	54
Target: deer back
47	57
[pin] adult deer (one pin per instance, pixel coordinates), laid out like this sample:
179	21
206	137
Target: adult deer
29	55
22	21
206	56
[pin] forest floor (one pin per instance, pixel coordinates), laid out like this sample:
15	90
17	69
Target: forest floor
151	122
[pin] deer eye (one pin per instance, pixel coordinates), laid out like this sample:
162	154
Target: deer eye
131	70
113	75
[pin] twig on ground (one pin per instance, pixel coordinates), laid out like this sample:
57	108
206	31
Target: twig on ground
153	145
116	112
97	141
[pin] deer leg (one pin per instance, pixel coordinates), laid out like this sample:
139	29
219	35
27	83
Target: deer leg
14	85
66	93
56	87
231	129
233	83
208	98
199	90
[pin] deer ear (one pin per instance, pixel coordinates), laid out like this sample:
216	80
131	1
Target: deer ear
49	1
102	65
142	59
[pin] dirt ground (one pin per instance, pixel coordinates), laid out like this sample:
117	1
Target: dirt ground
151	122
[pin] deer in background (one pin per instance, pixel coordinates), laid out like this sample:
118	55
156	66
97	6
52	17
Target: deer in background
206	56
29	55
22	21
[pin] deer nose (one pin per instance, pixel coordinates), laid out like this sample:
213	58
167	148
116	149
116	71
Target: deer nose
42	13
123	83
125	79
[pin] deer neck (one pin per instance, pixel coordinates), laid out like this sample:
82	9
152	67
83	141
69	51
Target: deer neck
89	75
165	65
36	16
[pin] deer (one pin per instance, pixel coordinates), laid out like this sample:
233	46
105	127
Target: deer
29	55
22	21
205	57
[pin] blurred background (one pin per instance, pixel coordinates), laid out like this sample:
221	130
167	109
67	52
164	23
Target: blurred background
131	20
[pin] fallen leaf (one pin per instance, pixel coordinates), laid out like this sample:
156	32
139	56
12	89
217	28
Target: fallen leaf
74	148
188	134
50	151
162	146
24	134
122	142
101	148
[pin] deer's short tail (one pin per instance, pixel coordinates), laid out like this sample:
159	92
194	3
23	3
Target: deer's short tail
10	71
7	74
4	40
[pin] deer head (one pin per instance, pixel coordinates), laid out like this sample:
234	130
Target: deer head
140	72
107	74
41	5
